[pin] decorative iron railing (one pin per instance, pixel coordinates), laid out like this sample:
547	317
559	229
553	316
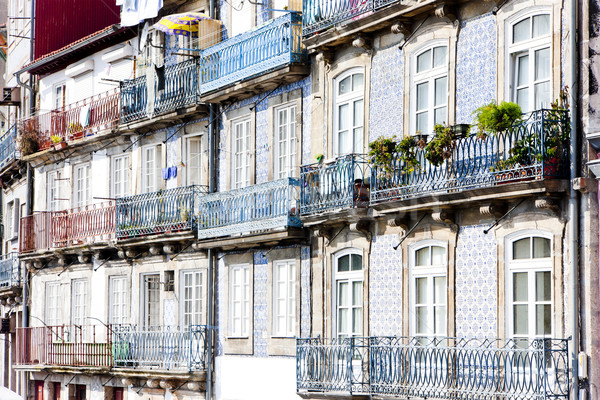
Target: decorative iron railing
169	210
274	45
35	232
65	346
342	183
161	348
83	224
75	121
537	148
134	99
10	270
8	147
435	367
319	15
255	208
178	87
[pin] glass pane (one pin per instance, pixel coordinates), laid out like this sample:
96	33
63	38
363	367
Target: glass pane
421	290
542	64
424	61
542	95
441	91
541	25
543	286
343	117
357	81
522	70
344	142
357	294
541	247
521	30
421	314
422	96
344	86
343	294
422	257
521	249
440	319
343	322
543	320
439	290
439	56
523	99
439	116
356	262
344	264
422	125
520	319
357	321
358	140
358	113
437	254
520	286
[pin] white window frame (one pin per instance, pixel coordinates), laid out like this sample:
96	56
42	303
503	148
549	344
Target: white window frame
9	223
53	314
79	301
289	144
120	185
145	311
191	171
196	301
529	47
118	302
531	266
349	277
60	99
82	185
54	190
244	152
151	174
349	99
429	76
429	273
243	300
287	296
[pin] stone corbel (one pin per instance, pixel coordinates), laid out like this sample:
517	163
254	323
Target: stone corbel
167	385
547	203
443	216
128	382
492	210
127	253
446	11
585	185
326	57
37	264
362	226
324	233
153	383
83	258
398	222
154	250
401	28
193	386
360	42
61	260
169	249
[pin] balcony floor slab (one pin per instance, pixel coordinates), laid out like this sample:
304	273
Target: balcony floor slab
246	241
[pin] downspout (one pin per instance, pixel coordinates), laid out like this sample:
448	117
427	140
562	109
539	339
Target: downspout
574	202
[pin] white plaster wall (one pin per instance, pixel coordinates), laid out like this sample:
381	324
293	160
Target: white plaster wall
249	378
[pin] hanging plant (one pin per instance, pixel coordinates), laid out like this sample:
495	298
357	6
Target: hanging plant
407	152
441	145
493	118
28	138
381	152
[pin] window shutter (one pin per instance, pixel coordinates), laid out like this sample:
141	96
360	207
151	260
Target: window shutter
15	222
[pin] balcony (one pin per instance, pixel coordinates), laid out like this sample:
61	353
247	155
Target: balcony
8	147
262	207
78	226
10	271
340	184
273	46
164	211
534	150
75	121
434	367
175	87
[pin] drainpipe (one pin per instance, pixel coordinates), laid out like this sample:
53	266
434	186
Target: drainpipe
574	201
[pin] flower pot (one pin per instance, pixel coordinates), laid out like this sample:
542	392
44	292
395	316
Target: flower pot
60	145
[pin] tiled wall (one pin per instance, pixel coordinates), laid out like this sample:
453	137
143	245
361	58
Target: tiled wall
305	292
260	304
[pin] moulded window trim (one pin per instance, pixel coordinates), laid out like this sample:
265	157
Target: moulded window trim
288	297
289	144
349	99
192	295
193	172
118	300
241	146
349	277
120	175
243	299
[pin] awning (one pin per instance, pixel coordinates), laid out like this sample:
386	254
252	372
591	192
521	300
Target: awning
184	24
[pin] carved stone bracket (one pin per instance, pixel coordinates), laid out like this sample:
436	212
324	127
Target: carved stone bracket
547	203
446	11
401	28
443	216
154	250
324	233
362	226
83	258
360	42
492	210
325	56
169	249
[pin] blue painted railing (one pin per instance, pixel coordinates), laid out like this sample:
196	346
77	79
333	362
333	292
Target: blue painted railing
10	270
134	97
535	149
271	46
318	15
435	367
255	208
180	87
162	348
8	147
342	183
169	210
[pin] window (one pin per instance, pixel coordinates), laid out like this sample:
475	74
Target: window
151	301
430	88
194	160
54	199
348	271
241	153
529	282
285	142
81	185
150	168
348	114
79	289
530	59
239	300
118	304
284	298
53	304
60	96
120	176
192	306
428	289
10	209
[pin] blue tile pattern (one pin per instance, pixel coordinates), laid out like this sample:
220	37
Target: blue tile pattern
476	66
221	304
260	304
476	283
385	287
305	319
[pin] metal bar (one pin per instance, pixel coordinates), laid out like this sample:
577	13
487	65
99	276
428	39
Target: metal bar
409	232
506	214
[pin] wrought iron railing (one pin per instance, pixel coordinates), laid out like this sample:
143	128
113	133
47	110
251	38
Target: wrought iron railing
160	348
534	149
274	45
65	346
169	210
83	225
75	121
134	98
10	270
8	147
435	367
255	208
35	232
342	183
319	15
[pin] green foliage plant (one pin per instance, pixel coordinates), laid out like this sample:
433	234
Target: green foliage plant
493	118
441	145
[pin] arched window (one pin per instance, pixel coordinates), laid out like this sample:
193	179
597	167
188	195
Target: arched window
348	113
429	88
348	292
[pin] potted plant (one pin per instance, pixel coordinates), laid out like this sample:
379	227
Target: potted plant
407	152
441	145
75	129
557	131
28	138
58	142
493	118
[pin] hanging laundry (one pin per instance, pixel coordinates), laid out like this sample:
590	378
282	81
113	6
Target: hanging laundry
135	11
